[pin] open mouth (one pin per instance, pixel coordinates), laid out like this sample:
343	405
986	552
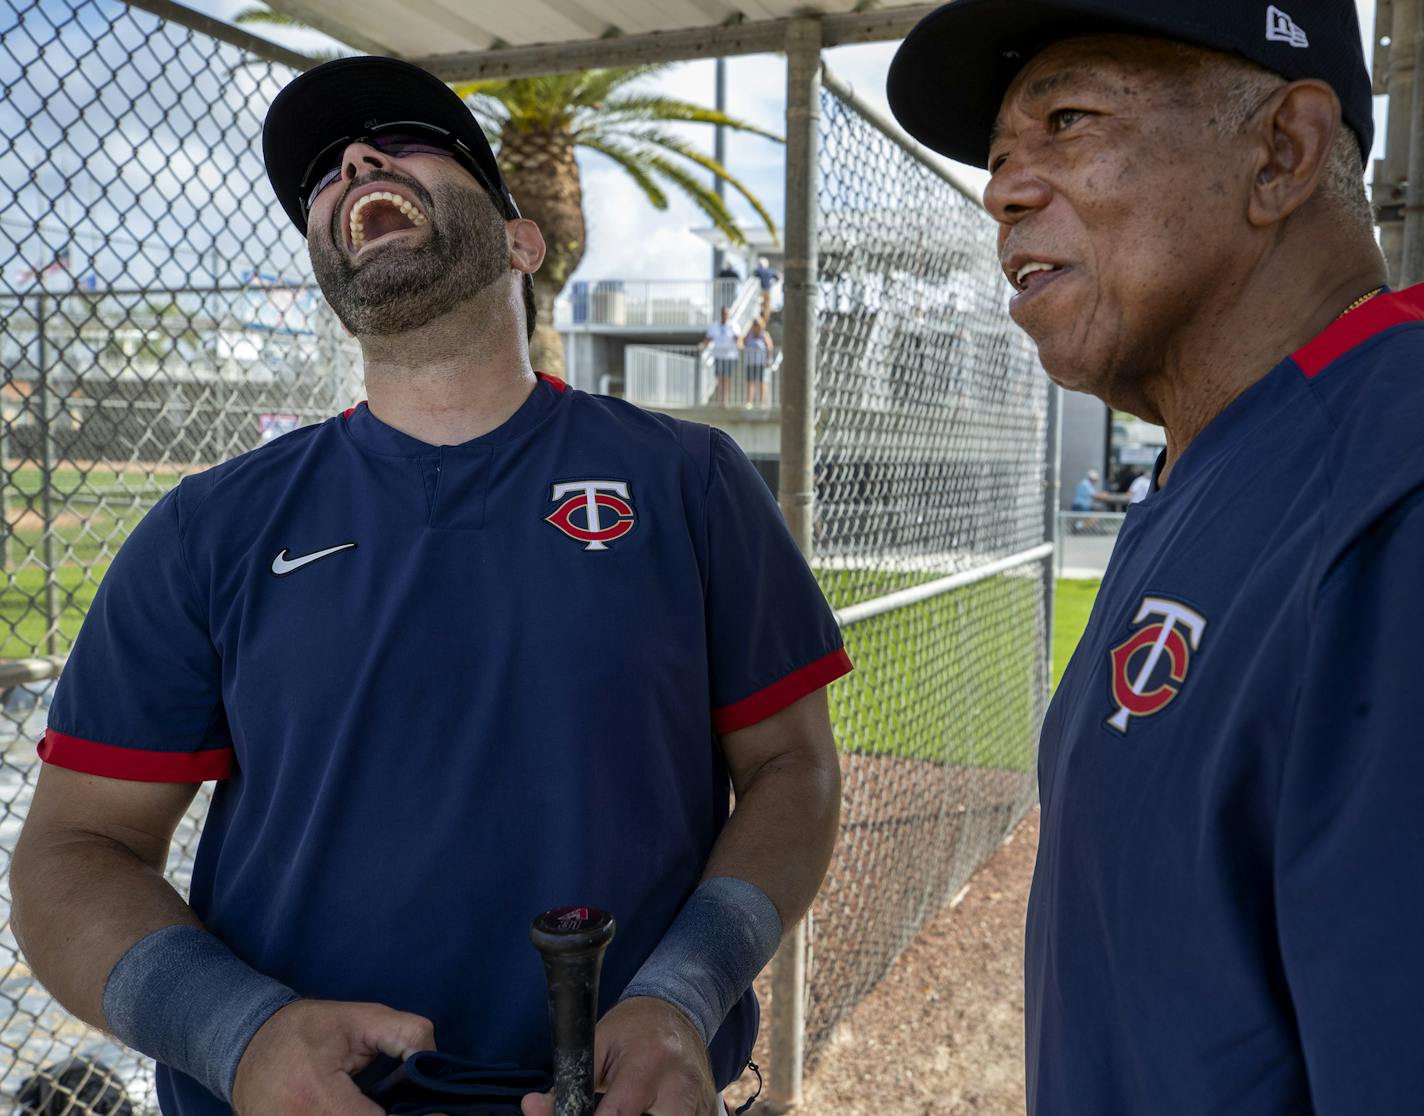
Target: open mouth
1035	274
381	214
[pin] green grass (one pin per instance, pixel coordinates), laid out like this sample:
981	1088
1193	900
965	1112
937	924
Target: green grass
945	680
94	511
22	608
92	484
1072	603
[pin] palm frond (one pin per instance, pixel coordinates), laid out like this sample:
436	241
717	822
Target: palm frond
670	142
703	197
490	113
267	15
596	86
651	108
632	164
554	100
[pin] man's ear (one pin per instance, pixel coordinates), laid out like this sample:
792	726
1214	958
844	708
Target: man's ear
1297	130
526	245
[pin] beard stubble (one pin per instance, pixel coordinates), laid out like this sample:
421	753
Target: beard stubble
398	288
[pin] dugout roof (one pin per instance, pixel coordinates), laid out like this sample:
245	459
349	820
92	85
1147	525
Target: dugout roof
465	39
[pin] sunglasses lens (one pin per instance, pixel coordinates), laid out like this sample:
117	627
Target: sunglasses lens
322	183
407	145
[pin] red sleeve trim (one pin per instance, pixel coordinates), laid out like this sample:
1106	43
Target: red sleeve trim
776	697
135	764
553	381
1379	314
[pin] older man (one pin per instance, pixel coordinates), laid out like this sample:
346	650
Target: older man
480	646
1226	914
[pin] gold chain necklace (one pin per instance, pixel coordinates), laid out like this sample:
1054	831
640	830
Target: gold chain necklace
1364	298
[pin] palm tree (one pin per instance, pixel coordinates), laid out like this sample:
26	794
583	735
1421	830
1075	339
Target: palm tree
537	124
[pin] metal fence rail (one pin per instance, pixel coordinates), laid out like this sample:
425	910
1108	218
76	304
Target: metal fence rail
930	441
651	303
673	377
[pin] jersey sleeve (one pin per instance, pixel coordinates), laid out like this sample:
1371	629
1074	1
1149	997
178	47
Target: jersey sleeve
140	696
1350	829
772	638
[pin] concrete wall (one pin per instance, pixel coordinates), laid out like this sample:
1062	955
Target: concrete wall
1085	427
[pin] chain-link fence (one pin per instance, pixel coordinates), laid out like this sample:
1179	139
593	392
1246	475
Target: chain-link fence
157	316
929	541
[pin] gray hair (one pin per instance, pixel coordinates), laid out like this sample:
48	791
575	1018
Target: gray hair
1237	88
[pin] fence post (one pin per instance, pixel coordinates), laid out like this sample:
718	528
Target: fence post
1411	264
42	389
797	476
1051	499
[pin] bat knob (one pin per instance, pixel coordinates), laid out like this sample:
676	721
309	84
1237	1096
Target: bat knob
571	941
571	930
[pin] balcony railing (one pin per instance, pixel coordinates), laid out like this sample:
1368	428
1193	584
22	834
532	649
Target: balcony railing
647	303
680	376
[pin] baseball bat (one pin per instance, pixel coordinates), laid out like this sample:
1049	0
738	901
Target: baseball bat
571	941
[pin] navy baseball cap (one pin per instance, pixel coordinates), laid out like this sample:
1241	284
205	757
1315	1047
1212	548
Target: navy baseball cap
349	97
948	79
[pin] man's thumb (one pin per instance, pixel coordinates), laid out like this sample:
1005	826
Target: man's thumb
537	1104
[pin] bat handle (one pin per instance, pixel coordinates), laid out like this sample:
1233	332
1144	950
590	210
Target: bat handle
571	941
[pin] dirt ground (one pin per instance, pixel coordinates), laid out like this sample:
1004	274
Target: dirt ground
942	1034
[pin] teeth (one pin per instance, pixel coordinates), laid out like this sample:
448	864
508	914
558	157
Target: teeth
1029	268
358	233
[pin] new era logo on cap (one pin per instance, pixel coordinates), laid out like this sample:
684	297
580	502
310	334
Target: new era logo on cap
1280	28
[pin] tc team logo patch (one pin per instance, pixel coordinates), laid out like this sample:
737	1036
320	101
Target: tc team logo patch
593	512
1149	667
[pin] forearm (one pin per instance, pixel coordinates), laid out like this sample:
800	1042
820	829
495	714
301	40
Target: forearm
781	834
762	875
79	905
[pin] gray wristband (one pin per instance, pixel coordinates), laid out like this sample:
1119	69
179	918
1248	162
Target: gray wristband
183	998
724	935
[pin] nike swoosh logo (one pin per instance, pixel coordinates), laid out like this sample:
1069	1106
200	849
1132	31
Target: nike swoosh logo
282	565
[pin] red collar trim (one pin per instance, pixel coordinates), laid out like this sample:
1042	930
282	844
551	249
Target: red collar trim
1382	312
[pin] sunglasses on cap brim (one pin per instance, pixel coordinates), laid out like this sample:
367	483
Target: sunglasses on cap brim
397	139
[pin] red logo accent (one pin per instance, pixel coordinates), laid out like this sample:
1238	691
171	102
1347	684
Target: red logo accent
588	500
1136	659
573	918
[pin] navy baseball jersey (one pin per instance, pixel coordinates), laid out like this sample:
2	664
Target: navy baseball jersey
447	688
1227	912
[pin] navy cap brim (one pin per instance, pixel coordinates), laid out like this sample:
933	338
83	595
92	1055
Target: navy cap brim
948	79
347	97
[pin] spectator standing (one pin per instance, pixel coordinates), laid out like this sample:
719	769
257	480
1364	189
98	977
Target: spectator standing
758	347
768	278
726	344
